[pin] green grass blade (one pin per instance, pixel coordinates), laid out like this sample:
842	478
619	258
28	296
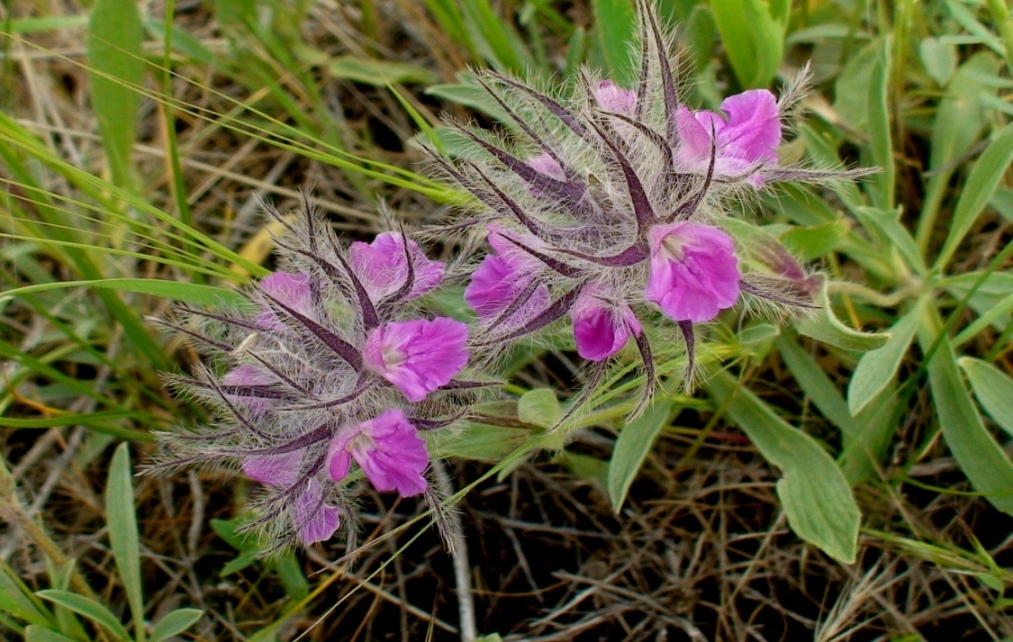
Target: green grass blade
122	523
633	444
814	492
18	600
114	50
35	633
90	609
177	291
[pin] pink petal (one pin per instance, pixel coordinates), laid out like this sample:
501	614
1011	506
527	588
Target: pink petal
612	97
545	164
383	268
748	134
315	520
389	451
417	356
502	276
248	375
694	273
601	328
291	290
754	126
279	471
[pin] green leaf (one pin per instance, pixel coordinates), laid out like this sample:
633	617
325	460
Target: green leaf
940	59
824	326
815	241
122	524
35	633
877	368
990	299
586	467
880	132
700	32
90	609
615	27
887	223
19	601
195	293
814	492
632	445
993	388
378	73
978	190
539	407
291	574
976	451
864	452
752	32
115	70
477	441
175	622
817	385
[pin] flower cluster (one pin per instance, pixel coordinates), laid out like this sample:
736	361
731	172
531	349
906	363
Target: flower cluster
606	207
329	362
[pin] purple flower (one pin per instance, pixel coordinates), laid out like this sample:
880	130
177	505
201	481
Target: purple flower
389	451
747	134
290	290
242	385
382	266
612	97
546	164
693	271
279	471
601	326
417	356
503	277
313	518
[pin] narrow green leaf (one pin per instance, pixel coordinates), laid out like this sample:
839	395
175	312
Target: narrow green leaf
880	133
122	524
877	423
976	451
877	368
292	577
115	68
814	492
18	600
993	388
632	445
35	633
887	223
175	622
539	407
88	608
978	190
477	441
753	38
824	326
378	73
177	291
615	27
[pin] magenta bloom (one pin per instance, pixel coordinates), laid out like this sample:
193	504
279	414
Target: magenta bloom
389	451
612	97
503	277
242	384
292	291
693	271
315	521
746	138
601	327
382	266
417	356
545	164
